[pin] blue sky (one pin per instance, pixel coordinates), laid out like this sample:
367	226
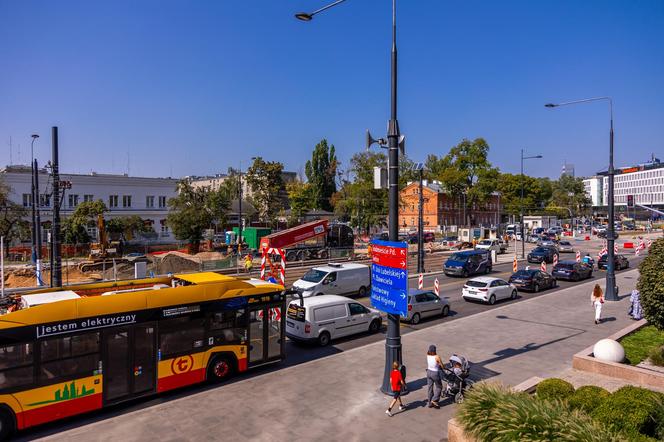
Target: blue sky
192	87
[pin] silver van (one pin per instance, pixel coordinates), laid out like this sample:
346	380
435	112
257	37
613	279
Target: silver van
335	279
323	318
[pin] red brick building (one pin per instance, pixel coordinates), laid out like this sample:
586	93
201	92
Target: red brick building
442	210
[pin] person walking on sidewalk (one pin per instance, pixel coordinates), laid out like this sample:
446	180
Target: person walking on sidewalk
396	379
597	299
434	383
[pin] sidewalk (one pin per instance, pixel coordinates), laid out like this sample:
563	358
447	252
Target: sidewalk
337	398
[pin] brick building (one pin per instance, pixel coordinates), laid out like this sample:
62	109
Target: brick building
441	211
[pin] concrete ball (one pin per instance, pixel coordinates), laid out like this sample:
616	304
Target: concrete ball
609	350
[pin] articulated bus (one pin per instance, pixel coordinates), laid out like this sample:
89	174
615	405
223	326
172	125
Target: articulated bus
80	348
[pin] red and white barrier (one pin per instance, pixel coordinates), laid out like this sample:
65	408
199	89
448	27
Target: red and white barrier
420	281
436	287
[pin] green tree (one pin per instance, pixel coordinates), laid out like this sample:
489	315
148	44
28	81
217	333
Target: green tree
12	215
569	192
193	210
75	227
267	186
321	172
536	193
128	226
302	200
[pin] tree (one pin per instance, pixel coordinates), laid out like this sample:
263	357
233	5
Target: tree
128	226
193	210
569	192
12	223
536	193
267	186
302	200
321	172
75	227
651	284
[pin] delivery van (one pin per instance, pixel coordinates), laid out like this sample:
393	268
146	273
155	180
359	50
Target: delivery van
335	279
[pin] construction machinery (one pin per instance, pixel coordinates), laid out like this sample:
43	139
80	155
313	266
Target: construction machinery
312	240
103	253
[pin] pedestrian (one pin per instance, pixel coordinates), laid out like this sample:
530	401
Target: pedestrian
635	310
597	299
397	382
248	263
434	383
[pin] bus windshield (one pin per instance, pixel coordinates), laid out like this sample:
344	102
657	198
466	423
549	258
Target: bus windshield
314	275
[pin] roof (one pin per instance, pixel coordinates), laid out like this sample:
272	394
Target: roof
486	279
313	301
345	266
417	291
204	277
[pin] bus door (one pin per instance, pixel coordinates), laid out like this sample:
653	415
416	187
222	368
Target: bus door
266	334
129	361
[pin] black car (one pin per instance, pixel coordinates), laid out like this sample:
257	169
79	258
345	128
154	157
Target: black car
532	279
603	234
572	270
620	262
540	254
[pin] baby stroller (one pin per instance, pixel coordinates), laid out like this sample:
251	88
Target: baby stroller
456	373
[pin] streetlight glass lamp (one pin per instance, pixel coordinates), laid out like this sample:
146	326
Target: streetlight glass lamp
304	16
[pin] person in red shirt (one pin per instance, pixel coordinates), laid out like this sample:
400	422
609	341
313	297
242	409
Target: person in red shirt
396	379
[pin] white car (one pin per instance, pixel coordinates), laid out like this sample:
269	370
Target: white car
565	247
488	289
489	244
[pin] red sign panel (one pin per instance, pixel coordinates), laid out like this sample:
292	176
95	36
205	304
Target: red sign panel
389	256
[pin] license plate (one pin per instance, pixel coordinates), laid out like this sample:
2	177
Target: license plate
290	324
472	292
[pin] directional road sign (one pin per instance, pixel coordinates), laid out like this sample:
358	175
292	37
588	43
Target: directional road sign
389	276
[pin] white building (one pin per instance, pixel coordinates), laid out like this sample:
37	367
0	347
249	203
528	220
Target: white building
123	195
593	188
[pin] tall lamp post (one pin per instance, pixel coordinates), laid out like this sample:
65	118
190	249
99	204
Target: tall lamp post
394	143
523	231
611	289
32	199
420	221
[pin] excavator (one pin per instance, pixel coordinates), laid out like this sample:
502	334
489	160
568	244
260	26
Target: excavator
102	253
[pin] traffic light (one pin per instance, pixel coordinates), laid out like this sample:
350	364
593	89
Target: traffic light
630	201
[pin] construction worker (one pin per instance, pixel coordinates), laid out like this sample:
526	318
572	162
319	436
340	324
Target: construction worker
248	263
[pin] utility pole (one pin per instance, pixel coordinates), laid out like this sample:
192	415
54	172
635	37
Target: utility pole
40	281
56	263
420	226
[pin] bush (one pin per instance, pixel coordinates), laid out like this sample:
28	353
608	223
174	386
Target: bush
554	388
632	410
639	344
587	398
491	412
651	284
656	356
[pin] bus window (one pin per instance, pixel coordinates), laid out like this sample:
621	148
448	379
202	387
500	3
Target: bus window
228	327
180	335
68	356
16	365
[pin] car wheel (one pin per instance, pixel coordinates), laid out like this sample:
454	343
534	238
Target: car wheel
554	284
324	339
220	369
590	275
374	326
536	289
465	273
362	292
7	424
513	294
492	299
415	319
446	311
576	277
487	270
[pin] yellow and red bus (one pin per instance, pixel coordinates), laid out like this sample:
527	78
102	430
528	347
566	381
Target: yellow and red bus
80	348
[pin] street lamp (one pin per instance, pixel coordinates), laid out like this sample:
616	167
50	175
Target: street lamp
611	289
420	221
394	143
523	231
32	198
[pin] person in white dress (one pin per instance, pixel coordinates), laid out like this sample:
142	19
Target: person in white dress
597	300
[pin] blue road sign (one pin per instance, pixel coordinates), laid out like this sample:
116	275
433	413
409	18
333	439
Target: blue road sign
389	276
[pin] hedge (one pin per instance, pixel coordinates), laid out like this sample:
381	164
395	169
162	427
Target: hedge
632	410
651	284
491	412
587	398
554	388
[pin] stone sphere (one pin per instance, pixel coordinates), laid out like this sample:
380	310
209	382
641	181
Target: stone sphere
609	350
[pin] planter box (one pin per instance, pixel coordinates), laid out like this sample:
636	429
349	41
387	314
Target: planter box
584	361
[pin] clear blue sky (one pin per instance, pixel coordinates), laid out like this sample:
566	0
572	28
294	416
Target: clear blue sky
192	87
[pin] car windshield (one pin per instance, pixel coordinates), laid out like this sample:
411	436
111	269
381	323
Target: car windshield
565	266
541	250
565	243
485	242
459	257
524	273
314	275
474	283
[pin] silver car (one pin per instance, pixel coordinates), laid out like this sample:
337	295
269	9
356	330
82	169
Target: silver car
565	247
423	304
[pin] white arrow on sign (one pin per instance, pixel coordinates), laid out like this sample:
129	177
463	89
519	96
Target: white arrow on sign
403	296
403	263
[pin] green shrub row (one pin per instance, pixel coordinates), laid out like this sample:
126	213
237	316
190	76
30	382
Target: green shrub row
492	412
651	284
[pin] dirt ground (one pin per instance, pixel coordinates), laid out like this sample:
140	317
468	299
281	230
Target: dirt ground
25	277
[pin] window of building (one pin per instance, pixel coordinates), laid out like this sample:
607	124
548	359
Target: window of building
149	201
126	200
73	200
164	230
162	201
44	200
27	200
112	201
88	198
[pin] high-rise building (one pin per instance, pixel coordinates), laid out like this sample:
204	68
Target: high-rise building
568	169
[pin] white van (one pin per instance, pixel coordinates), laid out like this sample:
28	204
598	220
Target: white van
323	318
335	279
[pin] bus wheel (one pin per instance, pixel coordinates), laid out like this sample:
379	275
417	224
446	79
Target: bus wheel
220	369
7	424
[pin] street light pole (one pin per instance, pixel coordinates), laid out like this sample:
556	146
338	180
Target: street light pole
393	337
611	289
523	231
420	225
32	199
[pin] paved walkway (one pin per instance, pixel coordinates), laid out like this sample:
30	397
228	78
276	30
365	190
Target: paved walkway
337	398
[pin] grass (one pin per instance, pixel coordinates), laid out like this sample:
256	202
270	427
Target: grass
640	343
